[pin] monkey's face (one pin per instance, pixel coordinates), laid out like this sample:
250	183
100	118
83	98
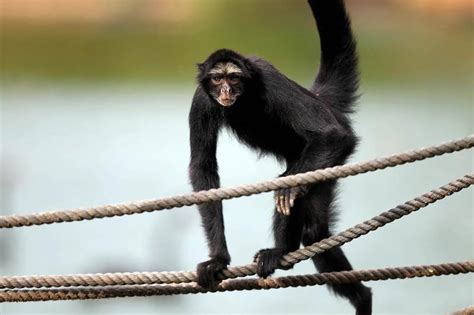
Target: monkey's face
225	83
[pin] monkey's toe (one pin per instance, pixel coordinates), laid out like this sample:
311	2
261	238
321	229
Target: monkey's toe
208	272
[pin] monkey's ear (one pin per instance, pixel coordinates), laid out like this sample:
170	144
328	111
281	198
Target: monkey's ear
200	67
201	72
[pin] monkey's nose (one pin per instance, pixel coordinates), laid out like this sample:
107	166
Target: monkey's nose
226	94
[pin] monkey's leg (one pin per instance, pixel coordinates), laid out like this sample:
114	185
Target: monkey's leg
319	212
287	233
213	223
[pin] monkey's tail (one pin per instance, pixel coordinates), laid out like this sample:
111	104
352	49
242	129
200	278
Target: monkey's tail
338	75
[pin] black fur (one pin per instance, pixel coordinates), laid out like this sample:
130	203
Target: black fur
305	129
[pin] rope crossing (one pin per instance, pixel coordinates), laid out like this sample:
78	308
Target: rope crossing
108	285
237	191
245	270
86	293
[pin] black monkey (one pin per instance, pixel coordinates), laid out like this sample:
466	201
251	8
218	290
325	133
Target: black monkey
305	129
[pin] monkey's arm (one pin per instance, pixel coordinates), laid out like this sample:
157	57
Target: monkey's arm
204	124
335	86
323	149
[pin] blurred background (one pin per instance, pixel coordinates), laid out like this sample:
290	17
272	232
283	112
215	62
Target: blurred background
94	101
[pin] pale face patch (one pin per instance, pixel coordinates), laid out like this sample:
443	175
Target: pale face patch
224	68
226	85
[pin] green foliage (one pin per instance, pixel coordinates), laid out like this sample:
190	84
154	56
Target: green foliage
405	53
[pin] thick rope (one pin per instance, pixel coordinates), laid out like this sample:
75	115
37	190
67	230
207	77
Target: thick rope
233	192
235	285
246	270
465	311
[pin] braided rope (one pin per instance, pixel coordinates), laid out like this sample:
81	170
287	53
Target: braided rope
465	311
235	285
246	270
50	217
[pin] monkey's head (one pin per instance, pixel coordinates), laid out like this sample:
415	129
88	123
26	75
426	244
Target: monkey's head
223	76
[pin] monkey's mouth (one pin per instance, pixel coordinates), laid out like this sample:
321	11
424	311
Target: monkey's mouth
226	101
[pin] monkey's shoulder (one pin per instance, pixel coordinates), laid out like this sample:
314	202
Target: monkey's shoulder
263	65
275	80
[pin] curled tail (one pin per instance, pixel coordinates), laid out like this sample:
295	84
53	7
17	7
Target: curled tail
338	76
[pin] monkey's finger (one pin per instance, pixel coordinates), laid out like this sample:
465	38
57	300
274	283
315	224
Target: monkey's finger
278	209
292	199
278	204
287	201
275	196
275	199
283	203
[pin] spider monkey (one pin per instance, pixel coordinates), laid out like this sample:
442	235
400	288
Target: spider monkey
306	129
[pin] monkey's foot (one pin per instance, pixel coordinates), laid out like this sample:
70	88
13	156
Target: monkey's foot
285	198
208	272
268	260
363	301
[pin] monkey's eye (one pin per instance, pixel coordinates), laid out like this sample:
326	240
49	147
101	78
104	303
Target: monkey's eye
216	79
233	79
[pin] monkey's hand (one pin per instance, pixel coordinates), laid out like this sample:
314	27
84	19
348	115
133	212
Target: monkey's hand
285	198
268	260
208	272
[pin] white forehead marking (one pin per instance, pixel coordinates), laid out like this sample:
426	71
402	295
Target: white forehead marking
225	68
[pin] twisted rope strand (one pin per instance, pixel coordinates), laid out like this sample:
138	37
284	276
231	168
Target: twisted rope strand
245	270
82	293
50	217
